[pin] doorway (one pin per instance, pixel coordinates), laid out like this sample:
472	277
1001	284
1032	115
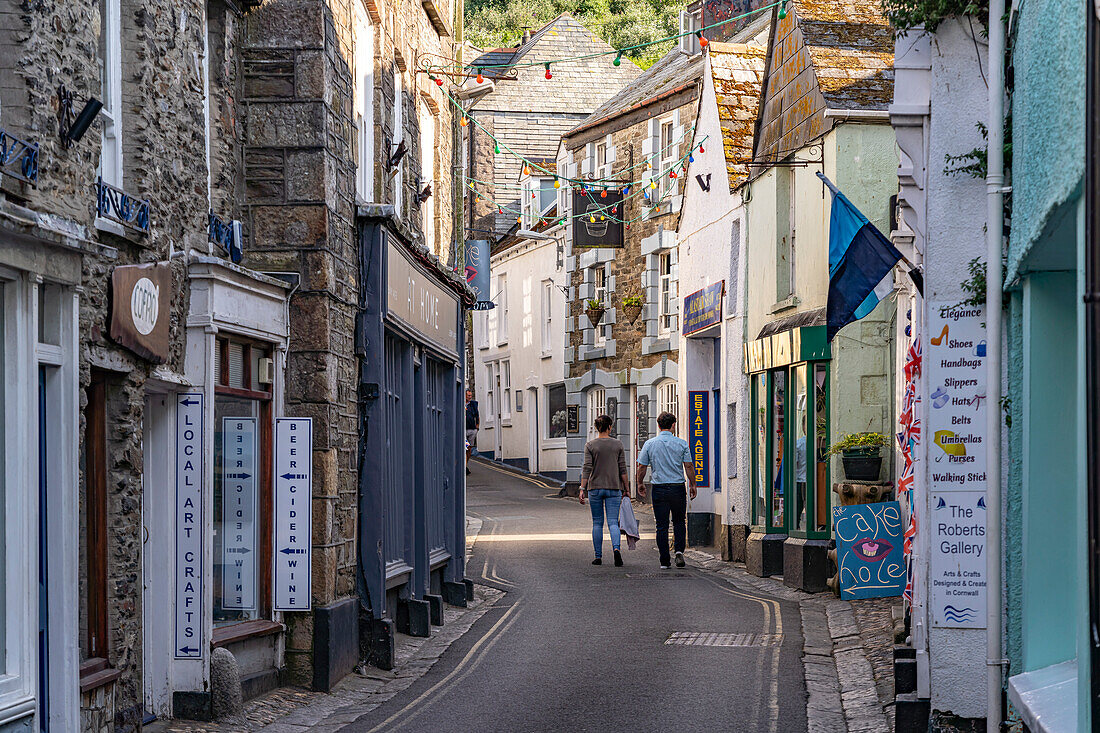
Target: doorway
533	430
157	553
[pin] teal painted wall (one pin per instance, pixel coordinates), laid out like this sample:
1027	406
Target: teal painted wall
1049	503
1048	118
1014	479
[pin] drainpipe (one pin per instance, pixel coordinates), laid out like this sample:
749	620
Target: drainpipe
994	188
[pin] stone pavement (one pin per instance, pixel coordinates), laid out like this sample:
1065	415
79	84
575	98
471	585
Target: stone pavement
847	652
294	710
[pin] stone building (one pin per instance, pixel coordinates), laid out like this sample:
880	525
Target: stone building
181	275
631	144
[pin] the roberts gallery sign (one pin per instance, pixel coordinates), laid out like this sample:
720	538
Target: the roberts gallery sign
140	309
598	219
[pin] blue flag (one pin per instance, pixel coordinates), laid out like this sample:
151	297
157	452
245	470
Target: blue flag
861	260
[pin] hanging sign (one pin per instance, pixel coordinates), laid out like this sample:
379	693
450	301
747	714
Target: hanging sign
239	513
293	512
598	218
477	273
418	302
572	419
868	550
703	308
141	300
957	566
612	411
188	640
643	420
699	436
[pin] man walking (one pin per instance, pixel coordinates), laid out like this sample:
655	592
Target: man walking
670	459
473	422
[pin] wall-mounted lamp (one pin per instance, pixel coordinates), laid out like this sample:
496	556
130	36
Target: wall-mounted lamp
70	129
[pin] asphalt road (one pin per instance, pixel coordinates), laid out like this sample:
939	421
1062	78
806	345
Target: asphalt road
577	647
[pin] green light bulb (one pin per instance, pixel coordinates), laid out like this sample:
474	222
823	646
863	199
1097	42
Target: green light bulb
618	59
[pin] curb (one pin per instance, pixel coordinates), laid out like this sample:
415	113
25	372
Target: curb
537	477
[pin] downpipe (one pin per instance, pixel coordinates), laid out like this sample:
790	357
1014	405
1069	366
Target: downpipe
994	186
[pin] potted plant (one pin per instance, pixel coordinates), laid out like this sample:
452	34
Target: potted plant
632	307
861	455
595	309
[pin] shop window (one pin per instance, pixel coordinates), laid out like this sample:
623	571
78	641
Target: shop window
820	474
242	481
800	408
777	426
759	448
668	400
666	294
556	411
93	530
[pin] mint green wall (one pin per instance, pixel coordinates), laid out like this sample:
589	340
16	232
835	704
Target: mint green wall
1013	432
1050	542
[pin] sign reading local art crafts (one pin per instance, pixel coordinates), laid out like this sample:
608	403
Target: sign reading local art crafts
140	304
703	308
958	559
955	363
188	639
239	513
293	513
869	550
699	436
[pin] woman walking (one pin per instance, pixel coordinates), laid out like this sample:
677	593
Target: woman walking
604	482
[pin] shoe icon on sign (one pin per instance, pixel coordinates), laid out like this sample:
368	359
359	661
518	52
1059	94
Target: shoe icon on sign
940	397
936	341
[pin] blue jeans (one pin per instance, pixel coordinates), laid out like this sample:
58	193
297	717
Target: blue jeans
601	500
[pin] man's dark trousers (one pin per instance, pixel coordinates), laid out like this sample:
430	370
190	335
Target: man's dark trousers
670	499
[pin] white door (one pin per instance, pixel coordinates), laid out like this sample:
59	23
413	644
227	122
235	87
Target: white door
632	440
157	553
533	430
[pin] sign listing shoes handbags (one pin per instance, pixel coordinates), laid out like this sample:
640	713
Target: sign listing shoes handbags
140	309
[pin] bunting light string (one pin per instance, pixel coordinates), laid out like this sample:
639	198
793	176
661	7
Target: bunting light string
700	33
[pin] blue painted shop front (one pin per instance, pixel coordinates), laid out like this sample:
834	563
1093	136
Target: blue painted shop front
412	487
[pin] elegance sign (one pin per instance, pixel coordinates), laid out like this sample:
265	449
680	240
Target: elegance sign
140	304
188	642
293	512
703	308
415	300
239	513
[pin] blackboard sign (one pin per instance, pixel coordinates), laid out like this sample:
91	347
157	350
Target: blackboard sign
643	420
573	419
598	219
613	413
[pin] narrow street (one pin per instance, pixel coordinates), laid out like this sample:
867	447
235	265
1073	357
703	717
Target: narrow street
576	647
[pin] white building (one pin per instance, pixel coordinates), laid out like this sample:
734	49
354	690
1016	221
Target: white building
519	352
713	245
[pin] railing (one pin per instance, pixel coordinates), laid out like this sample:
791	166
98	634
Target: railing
18	158
118	206
219	232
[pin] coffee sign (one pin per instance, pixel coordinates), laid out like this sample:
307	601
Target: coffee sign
140	305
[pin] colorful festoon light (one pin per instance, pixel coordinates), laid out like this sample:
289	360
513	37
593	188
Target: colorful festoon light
702	39
464	121
480	77
618	58
526	170
603	194
548	74
557	183
439	81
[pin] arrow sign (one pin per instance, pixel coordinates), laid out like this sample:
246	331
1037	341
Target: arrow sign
238	550
188	402
189	564
240	499
291	551
188	651
290	476
238	475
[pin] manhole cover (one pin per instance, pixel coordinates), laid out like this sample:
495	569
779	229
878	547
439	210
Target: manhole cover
704	638
661	576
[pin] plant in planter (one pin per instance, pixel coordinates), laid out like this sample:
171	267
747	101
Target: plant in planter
861	455
595	309
632	307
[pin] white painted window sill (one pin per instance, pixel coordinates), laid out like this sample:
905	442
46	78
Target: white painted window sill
546	354
548	443
1046	698
113	227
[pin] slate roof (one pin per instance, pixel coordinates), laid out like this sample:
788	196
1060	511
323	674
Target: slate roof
577	86
673	72
851	45
737	71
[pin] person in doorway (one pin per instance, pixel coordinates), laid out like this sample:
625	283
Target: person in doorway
473	422
670	459
604	483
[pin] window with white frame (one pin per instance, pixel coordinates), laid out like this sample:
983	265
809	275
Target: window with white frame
489	414
502	308
110	74
601	159
505	389
599	292
481	329
398	175
547	316
364	103
690	24
539	196
597	405
427	175
666	153
668	398
666	294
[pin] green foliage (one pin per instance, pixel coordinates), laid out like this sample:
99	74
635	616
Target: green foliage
975	163
974	286
633	300
908	14
861	442
594	304
495	23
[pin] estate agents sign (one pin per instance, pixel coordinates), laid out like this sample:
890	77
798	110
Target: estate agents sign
699	436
